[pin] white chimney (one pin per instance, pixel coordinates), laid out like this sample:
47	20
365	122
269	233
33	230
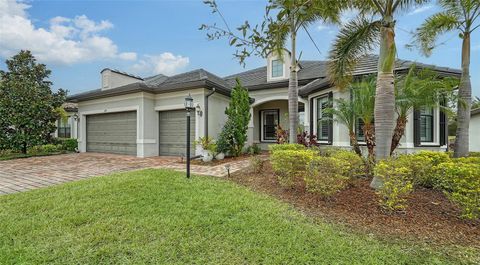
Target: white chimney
114	78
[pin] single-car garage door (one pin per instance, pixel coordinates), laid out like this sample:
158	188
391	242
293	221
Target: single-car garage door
112	133
173	132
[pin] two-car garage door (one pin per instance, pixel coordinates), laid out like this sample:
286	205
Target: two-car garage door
112	133
117	133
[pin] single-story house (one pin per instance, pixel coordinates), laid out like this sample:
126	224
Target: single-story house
146	117
474	131
68	128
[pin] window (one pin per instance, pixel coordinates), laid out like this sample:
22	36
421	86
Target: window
323	122
64	129
359	130
426	125
269	121
277	68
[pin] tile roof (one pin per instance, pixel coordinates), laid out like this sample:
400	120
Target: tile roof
312	77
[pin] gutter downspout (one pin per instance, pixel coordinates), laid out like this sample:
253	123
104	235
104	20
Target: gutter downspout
206	111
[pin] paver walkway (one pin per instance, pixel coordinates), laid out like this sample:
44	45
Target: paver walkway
30	173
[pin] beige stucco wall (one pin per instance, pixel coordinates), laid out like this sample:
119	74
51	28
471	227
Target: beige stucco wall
474	132
217	103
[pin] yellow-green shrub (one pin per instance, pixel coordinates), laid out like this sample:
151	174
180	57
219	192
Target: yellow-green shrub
278	147
468	160
461	183
355	165
421	165
290	164
256	164
397	184
326	175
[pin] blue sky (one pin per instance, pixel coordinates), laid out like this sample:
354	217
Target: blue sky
77	39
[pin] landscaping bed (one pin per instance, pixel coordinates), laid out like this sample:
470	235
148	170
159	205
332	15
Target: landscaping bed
430	216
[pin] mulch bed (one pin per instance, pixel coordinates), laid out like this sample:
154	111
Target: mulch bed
429	217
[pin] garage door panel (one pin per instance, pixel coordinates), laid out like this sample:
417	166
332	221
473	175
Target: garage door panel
112	133
172	137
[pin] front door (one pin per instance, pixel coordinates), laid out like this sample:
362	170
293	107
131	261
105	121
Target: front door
269	121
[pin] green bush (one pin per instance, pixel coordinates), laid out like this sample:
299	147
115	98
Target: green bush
289	165
326	175
278	147
68	144
253	149
474	154
421	165
44	149
355	164
397	184
461	184
468	160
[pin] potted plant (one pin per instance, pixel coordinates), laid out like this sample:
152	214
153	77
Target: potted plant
208	148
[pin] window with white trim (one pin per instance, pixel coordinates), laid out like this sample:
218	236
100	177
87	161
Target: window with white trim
269	123
277	68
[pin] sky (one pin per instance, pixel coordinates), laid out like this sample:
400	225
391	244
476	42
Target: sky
77	39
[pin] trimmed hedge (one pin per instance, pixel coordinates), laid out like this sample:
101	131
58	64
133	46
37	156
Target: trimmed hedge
326	175
289	165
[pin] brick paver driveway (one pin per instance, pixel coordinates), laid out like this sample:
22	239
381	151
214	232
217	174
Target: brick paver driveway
30	173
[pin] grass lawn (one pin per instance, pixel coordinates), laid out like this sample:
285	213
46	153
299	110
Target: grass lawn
158	216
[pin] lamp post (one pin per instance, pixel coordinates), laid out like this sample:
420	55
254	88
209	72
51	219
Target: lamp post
189	107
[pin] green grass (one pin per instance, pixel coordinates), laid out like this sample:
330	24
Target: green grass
158	216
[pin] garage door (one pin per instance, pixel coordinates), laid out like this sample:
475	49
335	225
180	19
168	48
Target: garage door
112	133
173	132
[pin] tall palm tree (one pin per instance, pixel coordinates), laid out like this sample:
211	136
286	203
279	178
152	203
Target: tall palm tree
363	95
345	112
460	16
273	34
415	90
360	36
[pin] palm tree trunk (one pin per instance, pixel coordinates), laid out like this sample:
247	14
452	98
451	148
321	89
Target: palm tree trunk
369	132
293	90
464	103
353	140
385	95
398	133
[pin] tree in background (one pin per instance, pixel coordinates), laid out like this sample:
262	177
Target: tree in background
415	90
460	16
28	107
374	26
234	132
273	34
476	103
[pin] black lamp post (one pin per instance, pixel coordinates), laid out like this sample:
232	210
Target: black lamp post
189	107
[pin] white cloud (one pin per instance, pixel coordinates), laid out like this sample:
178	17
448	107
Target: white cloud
66	41
321	27
165	63
420	9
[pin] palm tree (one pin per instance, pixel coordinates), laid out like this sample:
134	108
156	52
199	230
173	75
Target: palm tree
459	16
345	112
360	36
273	34
415	90
363	94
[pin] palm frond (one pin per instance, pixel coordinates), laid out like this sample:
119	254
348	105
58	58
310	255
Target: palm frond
355	39
426	35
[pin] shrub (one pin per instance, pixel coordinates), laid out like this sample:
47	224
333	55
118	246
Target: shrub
468	160
289	165
44	149
256	164
421	165
461	184
253	149
306	139
355	165
278	147
281	135
397	184
68	144
325	175
207	144
474	154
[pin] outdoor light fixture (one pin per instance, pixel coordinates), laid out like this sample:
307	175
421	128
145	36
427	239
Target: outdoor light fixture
189	107
75	117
